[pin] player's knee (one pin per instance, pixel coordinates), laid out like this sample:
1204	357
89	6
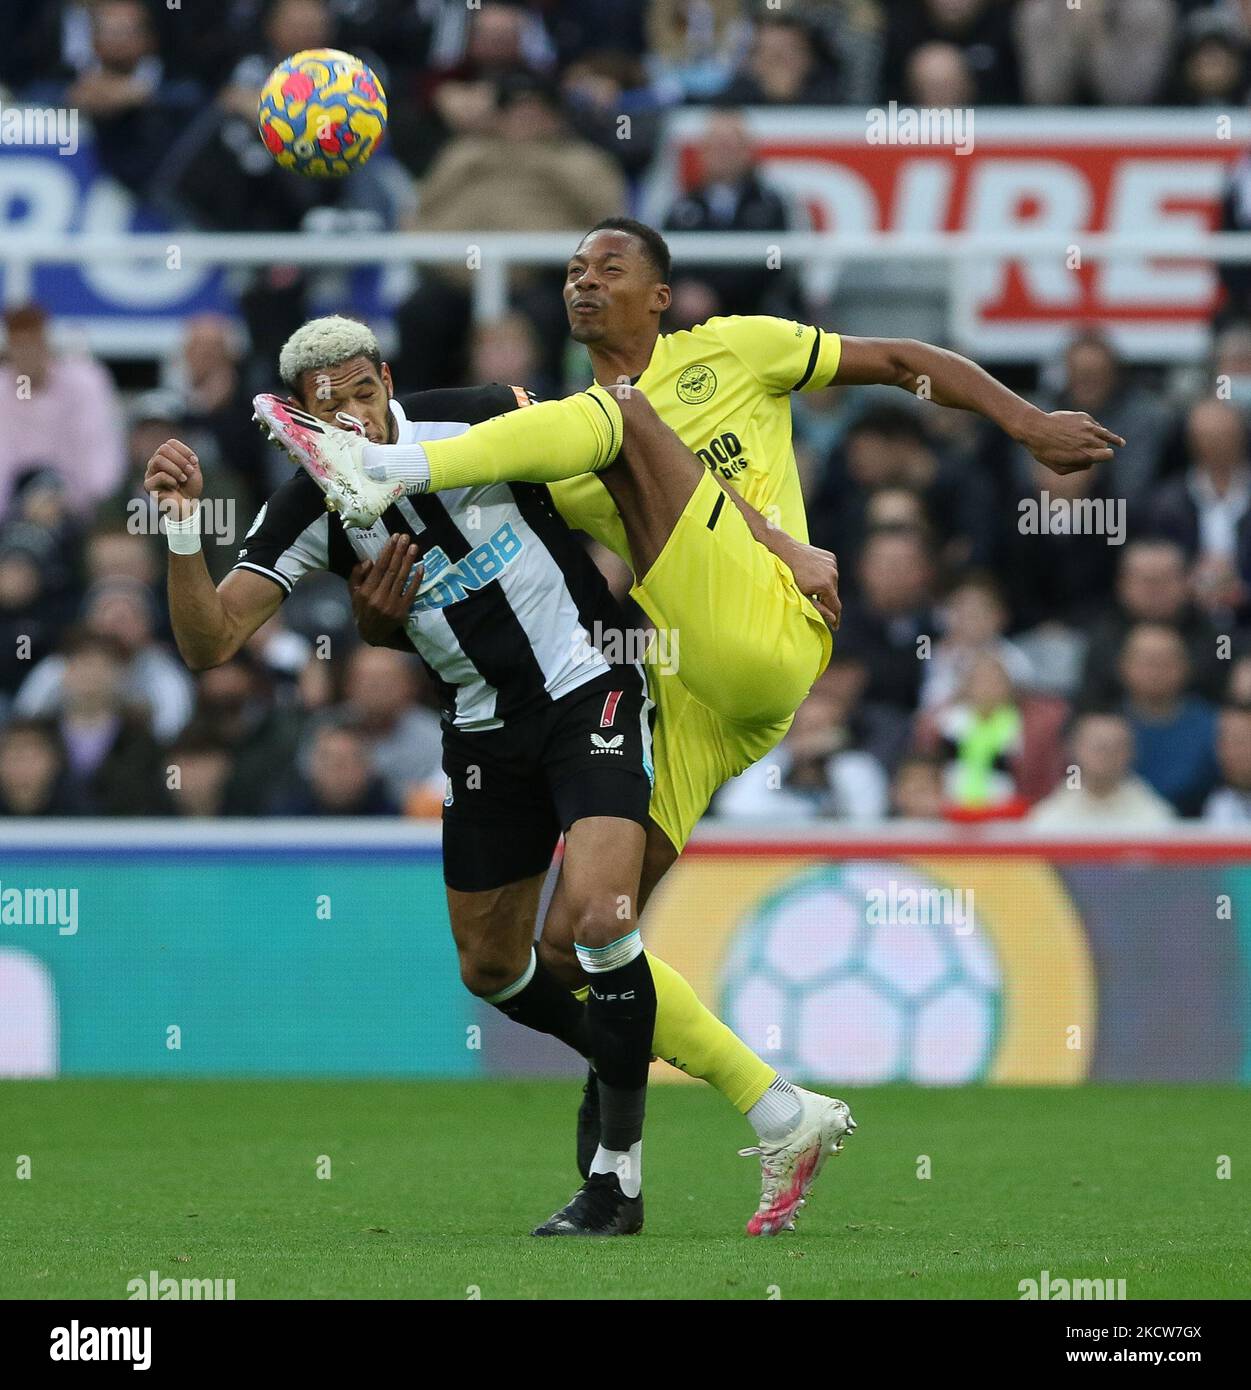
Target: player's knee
638	416
601	919
558	956
485	974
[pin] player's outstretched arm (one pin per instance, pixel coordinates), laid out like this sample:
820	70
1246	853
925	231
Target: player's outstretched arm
210	623
1066	441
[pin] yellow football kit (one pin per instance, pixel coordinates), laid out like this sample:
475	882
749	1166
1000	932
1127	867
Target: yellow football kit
748	644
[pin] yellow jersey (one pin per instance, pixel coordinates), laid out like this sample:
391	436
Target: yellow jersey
723	388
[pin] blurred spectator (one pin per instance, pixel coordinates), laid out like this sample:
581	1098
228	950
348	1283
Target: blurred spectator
939	75
202	765
820	768
694	45
1174	733
609	100
581	27
916	790
532	174
1102	791
788	64
731	196
474	50
1231	365
46	44
980	29
508	350
25	636
291	26
33	779
1230	803
892	612
156	416
889	447
56	411
42	524
980	741
1208	510
1113	52
112	553
1152	586
1238	687
152	680
1095	380
404	737
1056	558
340	780
974	617
217	410
235	701
114	765
133	104
1211	62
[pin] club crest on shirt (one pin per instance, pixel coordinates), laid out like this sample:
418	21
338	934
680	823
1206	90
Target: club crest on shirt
697	384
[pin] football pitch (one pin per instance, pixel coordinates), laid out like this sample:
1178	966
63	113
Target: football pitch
430	1190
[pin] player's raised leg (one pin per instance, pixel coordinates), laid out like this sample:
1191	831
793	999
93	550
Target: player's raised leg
545	443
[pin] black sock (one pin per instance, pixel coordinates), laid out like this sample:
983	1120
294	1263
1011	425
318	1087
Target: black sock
548	1007
621	1014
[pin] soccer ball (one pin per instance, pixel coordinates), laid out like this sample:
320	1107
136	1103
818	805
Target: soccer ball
322	113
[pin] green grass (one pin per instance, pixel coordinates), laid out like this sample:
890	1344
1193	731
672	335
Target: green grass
434	1187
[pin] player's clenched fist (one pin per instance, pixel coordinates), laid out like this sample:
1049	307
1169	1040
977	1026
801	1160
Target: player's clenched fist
174	478
1067	441
816	574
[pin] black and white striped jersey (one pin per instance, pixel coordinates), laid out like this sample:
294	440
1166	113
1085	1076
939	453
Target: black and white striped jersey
509	603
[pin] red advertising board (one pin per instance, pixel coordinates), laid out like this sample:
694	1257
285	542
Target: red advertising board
1060	173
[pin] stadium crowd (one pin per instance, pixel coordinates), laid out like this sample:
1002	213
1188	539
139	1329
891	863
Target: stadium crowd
978	661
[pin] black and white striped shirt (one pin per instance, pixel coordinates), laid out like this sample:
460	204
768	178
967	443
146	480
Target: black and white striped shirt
509	601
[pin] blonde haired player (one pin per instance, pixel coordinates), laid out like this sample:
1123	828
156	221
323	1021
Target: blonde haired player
691	479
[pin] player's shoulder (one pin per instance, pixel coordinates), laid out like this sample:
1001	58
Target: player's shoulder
466	405
292	507
740	326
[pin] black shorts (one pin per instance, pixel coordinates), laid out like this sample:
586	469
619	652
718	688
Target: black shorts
512	792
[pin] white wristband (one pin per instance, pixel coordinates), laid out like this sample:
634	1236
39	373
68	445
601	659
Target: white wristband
184	536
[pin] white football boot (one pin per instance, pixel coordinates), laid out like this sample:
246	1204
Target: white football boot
790	1167
333	458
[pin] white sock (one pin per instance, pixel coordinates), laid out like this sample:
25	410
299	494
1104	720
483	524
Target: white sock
777	1112
398	463
627	1166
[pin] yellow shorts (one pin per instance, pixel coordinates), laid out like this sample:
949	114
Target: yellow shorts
738	649
694	752
745	641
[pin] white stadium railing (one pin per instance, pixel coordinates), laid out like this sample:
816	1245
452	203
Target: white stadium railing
494	256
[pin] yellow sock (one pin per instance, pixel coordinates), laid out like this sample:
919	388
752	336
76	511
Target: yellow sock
693	1039
541	444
